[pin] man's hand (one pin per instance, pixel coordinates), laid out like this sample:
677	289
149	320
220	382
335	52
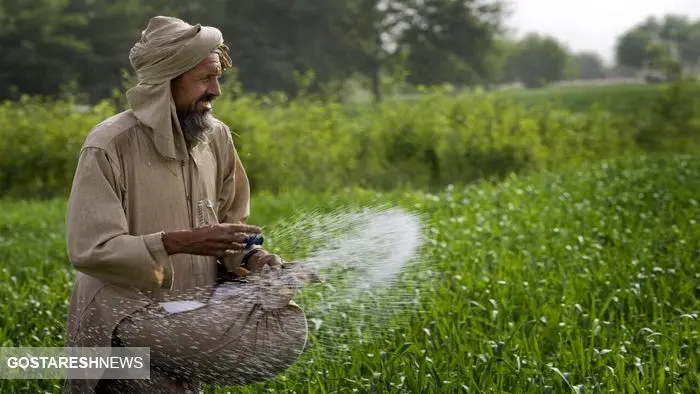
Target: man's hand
260	259
303	272
218	240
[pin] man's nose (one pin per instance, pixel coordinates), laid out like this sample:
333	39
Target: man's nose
214	89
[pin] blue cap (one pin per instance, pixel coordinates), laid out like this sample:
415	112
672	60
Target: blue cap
255	239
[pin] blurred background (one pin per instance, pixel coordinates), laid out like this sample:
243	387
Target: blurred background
357	49
551	146
390	94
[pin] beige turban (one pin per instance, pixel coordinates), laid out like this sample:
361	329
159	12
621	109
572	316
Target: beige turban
168	48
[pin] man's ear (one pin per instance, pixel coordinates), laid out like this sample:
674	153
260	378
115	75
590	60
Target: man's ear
174	82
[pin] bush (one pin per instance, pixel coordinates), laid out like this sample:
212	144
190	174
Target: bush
39	145
672	122
436	139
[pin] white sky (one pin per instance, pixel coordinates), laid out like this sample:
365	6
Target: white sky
591	24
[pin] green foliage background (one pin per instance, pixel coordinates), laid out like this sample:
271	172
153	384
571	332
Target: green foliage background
435	139
560	222
580	280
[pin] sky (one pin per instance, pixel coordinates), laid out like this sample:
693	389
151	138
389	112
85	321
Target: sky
591	24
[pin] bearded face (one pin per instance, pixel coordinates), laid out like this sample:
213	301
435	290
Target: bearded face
194	122
193	93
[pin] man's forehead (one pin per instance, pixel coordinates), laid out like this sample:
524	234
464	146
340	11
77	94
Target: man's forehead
209	63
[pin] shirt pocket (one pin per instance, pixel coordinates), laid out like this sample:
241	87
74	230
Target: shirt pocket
206	213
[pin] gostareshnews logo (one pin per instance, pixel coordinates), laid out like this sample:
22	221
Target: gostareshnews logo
75	363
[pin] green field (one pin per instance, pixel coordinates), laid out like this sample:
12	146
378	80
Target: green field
562	249
429	142
549	283
579	98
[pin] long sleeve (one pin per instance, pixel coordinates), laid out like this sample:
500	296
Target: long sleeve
98	240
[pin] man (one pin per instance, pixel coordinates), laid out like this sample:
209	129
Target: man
157	211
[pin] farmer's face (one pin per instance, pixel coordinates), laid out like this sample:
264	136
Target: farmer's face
195	90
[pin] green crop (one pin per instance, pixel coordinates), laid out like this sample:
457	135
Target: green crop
429	142
576	280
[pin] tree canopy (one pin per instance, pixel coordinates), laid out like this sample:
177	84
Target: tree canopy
80	47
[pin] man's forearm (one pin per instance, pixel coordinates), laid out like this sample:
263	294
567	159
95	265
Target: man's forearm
125	260
174	242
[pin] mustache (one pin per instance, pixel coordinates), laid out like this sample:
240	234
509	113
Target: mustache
207	97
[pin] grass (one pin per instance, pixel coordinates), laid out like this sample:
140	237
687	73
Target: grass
427	143
617	98
584	280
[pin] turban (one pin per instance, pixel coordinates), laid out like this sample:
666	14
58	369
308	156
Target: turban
168	48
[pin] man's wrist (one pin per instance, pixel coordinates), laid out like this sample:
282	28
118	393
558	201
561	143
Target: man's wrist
172	243
248	256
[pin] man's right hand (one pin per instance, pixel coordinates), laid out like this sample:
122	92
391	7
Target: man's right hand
219	240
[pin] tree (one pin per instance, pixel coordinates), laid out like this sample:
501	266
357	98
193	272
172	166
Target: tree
450	40
497	61
671	38
111	29
273	42
372	28
588	65
538	60
690	48
632	49
38	49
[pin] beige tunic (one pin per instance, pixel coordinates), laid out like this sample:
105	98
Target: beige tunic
130	185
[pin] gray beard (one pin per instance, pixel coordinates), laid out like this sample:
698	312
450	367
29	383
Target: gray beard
194	125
